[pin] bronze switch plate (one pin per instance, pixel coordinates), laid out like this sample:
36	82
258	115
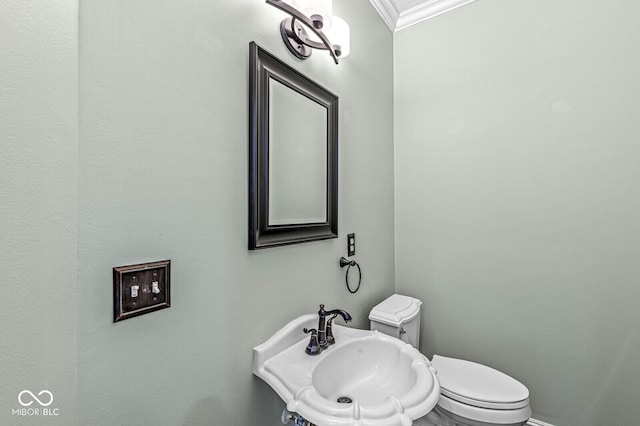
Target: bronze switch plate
140	289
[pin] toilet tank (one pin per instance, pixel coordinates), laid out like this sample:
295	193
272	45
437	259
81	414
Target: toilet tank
398	316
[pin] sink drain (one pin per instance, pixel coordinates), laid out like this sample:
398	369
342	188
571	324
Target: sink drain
344	400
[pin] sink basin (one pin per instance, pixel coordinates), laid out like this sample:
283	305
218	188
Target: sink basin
380	380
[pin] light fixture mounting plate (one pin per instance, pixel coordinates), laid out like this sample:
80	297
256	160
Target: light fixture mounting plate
293	41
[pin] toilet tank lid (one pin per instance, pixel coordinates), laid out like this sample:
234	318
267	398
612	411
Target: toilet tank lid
396	310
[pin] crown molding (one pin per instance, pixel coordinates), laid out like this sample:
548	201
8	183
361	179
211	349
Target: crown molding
387	11
397	19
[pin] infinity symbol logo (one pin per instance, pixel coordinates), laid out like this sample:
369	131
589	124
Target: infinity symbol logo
26	404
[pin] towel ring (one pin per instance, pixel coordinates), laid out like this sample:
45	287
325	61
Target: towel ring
349	263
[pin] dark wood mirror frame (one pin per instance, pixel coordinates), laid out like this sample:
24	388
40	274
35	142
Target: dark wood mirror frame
262	67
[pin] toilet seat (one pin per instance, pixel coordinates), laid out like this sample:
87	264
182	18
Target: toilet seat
480	393
484	404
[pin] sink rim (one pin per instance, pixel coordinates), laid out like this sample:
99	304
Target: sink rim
282	363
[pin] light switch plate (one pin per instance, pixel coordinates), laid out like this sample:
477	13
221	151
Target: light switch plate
351	245
140	289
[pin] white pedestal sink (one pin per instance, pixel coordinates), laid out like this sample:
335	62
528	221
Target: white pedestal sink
388	382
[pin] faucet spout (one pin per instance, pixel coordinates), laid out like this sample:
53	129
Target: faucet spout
344	314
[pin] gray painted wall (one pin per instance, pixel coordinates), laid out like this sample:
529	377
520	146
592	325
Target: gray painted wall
515	191
517	180
38	206
124	141
163	175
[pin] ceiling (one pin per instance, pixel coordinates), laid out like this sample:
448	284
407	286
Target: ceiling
400	14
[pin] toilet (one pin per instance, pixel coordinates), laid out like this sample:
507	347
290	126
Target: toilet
471	394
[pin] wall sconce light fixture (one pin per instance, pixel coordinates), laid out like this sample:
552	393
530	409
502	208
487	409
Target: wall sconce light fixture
313	26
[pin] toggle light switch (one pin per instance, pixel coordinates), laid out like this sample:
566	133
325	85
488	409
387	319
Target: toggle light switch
140	289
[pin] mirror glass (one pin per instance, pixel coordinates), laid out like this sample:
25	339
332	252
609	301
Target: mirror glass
297	157
293	155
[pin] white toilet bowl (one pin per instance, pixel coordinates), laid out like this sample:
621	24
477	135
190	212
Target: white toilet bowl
471	394
476	395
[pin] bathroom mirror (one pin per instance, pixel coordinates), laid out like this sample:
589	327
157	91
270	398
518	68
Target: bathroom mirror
293	155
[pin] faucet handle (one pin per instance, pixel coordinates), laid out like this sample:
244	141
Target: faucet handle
329	334
313	348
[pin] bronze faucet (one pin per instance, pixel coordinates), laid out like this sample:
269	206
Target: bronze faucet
323	336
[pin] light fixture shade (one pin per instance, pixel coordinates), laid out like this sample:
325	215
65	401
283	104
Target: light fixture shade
340	34
323	8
